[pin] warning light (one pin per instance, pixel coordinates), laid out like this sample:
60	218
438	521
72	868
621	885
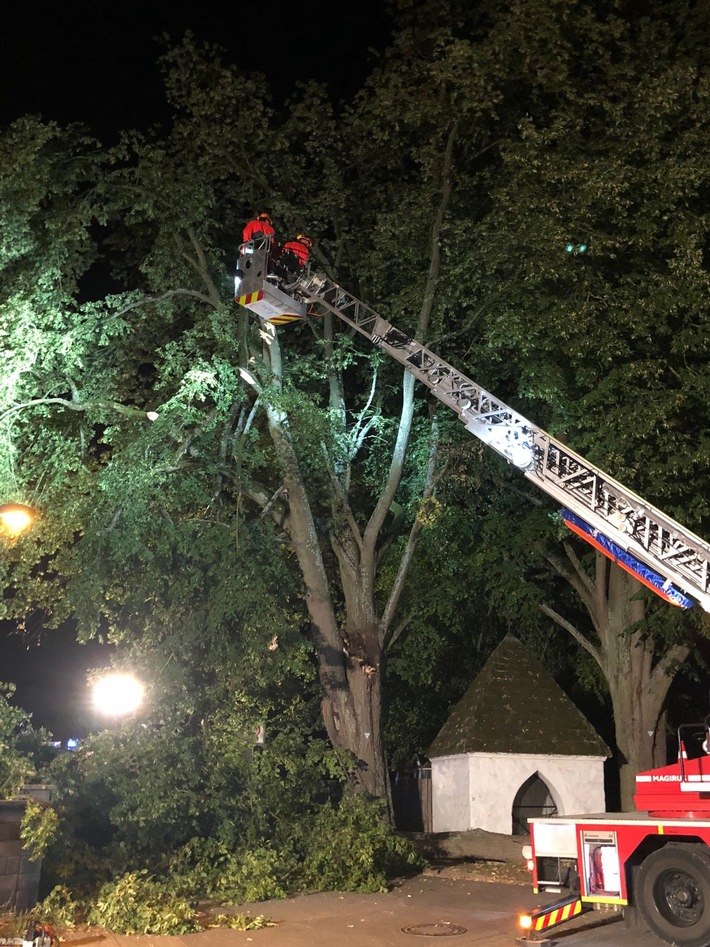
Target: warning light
525	921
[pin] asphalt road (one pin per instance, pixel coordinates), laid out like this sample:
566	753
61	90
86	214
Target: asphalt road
613	935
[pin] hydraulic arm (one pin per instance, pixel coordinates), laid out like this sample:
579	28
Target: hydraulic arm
606	513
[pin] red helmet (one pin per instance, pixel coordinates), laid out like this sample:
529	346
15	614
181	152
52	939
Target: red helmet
263	216
304	239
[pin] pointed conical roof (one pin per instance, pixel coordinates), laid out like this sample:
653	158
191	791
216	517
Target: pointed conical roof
514	706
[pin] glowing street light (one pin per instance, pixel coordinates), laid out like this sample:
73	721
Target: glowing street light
15	518
117	695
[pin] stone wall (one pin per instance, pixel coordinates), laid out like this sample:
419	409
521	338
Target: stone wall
19	877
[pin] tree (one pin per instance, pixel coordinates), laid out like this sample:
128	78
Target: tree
169	451
613	341
20	745
173	438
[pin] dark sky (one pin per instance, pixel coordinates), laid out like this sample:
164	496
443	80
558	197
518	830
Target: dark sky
94	62
50	671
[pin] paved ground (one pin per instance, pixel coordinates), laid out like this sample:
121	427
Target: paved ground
449	900
412	914
468	914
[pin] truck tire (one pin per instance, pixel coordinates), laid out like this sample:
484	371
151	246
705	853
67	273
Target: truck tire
672	893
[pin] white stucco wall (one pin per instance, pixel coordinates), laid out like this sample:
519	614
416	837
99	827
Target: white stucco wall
450	794
477	790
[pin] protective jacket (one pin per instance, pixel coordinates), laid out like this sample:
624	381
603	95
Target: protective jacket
300	250
255	228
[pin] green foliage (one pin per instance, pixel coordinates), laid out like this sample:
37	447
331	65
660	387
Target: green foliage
610	352
352	848
13	924
38	828
149	903
227	876
216	530
341	846
139	904
240	922
16	764
60	908
188	768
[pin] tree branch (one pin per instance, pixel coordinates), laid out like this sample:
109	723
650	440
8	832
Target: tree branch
166	295
435	243
574	631
398	630
675	655
377	518
364	420
339	503
572	571
135	414
430	482
200	265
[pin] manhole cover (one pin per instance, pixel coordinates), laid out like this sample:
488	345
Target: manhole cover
434	930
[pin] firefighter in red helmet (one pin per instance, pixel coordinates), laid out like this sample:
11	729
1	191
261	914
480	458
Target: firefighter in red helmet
296	254
260	226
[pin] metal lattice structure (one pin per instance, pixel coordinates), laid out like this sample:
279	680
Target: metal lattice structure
634	526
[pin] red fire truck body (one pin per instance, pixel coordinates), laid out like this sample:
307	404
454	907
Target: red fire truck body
655	861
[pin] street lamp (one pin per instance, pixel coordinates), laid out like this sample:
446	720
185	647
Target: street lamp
117	695
15	518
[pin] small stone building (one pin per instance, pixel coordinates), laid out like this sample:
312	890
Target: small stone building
515	746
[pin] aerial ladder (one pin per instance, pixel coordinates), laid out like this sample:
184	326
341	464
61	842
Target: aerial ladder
661	553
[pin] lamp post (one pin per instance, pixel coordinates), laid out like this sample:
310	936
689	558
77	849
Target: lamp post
15	518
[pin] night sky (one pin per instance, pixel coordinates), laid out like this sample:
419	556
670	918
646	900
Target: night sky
50	669
95	62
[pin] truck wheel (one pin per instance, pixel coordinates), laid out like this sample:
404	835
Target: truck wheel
672	893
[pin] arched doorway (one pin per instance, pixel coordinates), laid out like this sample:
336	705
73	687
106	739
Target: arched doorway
533	798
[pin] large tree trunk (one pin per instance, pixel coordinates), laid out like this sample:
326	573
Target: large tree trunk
636	695
637	674
349	658
352	714
350	641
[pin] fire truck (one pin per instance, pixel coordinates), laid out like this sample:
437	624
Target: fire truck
653	863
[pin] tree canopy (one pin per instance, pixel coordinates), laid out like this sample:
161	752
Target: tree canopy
214	490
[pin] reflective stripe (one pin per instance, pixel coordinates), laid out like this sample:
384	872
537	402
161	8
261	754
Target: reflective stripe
283	319
250	298
556	915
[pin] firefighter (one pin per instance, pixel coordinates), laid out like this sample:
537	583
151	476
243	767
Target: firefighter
254	235
260	226
295	254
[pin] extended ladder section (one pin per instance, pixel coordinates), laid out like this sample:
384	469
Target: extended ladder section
635	526
599	508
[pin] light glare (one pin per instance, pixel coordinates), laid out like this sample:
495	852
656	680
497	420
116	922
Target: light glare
15	518
117	695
